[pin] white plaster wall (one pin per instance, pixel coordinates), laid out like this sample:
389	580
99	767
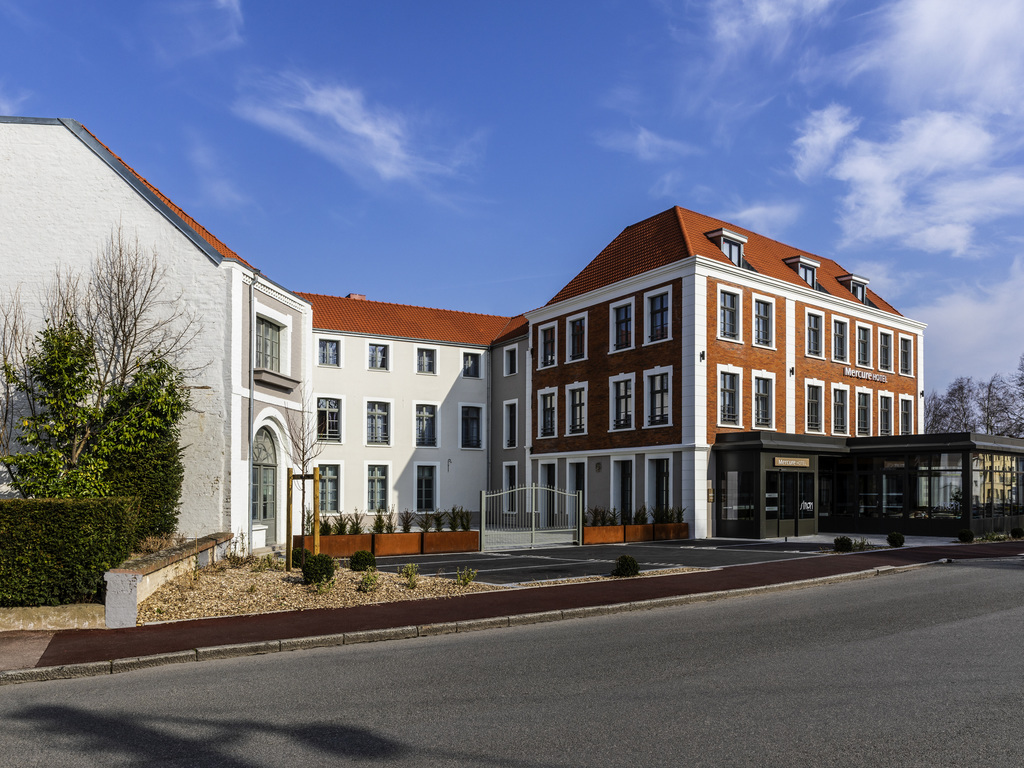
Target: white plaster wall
59	202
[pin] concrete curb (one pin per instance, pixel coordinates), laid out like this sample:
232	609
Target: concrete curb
115	666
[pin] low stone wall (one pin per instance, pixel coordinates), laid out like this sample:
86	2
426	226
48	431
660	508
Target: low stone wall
47	617
137	579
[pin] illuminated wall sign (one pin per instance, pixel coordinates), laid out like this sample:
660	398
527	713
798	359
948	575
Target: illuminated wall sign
854	373
782	461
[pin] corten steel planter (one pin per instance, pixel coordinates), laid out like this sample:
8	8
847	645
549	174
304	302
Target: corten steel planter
644	532
665	531
603	534
397	543
337	546
436	542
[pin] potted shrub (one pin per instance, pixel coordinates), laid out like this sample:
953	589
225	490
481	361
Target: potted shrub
603	527
637	528
345	538
389	541
458	538
668	524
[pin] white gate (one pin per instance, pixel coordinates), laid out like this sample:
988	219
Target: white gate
530	516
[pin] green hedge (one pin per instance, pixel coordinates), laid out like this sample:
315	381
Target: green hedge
55	551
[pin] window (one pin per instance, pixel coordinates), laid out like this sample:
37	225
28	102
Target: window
577	410
728	398
426	487
728	314
807	273
906	356
733	251
378	357
328	351
885	351
426	425
622	404
471	436
547	346
511	360
859	291
328	418
547	414
623	476
839	406
814	334
763	323
863	413
906	416
511	424
806	268
547	411
660	483
863	346
329	488
376	487
426	360
762	403
839	342
378	418
885	415
577	338
657	317
268	345
623	315
470	365
814	408
657	399
511	472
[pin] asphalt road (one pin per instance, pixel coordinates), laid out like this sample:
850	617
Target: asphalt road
921	668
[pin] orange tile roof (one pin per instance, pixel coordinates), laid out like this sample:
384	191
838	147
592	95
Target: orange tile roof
516	326
379	318
198	228
677	234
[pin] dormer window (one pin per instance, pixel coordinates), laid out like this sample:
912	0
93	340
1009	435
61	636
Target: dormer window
806	267
857	285
731	244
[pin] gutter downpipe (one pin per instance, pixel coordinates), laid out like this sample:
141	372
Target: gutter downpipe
252	385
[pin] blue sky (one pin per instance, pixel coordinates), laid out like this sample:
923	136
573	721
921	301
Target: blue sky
474	155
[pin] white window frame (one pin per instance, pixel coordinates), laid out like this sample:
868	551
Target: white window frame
770	301
808	383
509	430
482	367
649	460
905	399
341	351
284	323
391	421
541	361
341	416
856	349
615	483
389	488
856	412
612	380
665	290
514	348
584	385
505	486
767	376
568	337
906	337
437	484
437	425
631	303
389	354
483	427
832	339
720	369
892	415
416	360
553	391
832	405
648	375
340	466
738	293
883	332
808	313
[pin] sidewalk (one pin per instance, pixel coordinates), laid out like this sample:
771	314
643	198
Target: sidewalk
73	653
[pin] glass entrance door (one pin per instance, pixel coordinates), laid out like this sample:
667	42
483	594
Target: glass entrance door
789	508
264	483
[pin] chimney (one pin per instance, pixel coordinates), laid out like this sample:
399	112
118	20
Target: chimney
357	296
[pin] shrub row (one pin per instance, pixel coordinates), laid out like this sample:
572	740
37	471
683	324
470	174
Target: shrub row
55	551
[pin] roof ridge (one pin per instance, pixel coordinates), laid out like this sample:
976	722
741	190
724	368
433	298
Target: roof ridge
409	306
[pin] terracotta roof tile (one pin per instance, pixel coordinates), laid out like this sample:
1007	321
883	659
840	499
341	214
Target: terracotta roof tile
677	234
379	318
516	326
198	228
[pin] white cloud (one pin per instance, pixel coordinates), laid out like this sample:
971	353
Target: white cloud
645	145
217	188
767	219
820	136
737	24
191	28
11	104
336	122
962	338
938	53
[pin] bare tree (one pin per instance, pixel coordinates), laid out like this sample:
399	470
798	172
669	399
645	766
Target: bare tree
305	430
14	344
936	415
994	406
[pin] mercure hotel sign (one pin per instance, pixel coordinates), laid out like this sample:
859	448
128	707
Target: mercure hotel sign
854	373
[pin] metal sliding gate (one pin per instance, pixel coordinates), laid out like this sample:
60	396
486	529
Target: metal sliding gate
530	516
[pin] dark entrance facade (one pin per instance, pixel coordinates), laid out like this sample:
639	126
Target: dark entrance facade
771	485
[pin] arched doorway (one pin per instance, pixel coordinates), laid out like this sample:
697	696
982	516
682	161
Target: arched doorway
264	483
